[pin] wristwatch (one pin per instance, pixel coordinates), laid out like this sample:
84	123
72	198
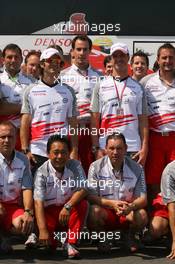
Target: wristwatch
68	207
94	149
30	212
25	151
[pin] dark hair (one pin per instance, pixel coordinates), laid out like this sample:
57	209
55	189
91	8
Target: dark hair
12	47
116	135
107	59
155	66
32	52
57	138
140	54
165	46
82	38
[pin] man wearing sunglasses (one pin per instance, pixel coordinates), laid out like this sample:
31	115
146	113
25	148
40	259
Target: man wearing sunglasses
48	108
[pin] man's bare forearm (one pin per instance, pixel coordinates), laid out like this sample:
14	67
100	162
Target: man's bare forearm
73	123
40	215
143	131
95	118
25	130
171	210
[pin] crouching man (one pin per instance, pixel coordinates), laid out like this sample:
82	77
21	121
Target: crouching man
118	191
58	196
16	202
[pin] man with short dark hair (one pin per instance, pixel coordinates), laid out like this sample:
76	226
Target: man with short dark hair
82	78
13	83
58	193
119	188
160	93
108	65
139	65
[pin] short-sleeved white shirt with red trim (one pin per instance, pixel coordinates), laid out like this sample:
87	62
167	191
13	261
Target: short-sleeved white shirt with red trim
83	87
12	92
50	108
161	103
105	101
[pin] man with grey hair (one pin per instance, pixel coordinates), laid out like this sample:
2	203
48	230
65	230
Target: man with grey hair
16	201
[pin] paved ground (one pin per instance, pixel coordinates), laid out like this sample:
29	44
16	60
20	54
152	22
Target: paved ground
154	254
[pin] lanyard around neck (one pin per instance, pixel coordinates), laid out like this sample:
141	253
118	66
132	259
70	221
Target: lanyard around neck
117	92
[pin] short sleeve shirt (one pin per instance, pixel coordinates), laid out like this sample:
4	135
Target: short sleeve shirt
14	178
83	86
168	183
161	103
103	181
50	108
105	100
54	188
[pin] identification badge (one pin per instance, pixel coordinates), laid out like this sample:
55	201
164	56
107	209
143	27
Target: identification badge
120	111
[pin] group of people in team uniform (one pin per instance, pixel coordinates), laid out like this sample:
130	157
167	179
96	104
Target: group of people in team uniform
79	148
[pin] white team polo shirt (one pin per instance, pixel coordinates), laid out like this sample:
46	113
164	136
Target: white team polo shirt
129	187
83	84
161	103
54	188
12	92
14	178
50	108
105	101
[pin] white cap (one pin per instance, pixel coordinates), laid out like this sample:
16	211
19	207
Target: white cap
119	46
47	53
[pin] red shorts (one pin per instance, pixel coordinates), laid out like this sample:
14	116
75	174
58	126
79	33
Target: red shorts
85	149
12	211
115	222
159	208
161	152
76	221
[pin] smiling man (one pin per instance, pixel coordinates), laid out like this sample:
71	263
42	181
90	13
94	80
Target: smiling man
118	104
160	93
13	85
139	65
49	107
58	196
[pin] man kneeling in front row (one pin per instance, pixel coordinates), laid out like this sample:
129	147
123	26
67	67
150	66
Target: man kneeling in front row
16	202
59	204
119	202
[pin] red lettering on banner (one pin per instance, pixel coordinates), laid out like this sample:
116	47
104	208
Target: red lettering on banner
38	42
48	42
